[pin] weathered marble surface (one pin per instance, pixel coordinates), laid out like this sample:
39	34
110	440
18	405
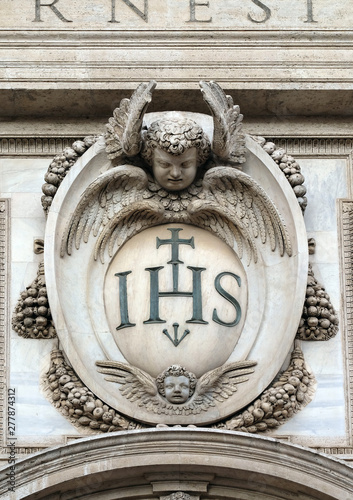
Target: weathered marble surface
21	181
326	180
35	415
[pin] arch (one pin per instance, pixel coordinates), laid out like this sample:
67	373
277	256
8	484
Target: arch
204	463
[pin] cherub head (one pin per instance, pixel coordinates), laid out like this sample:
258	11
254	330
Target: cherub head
175	148
176	384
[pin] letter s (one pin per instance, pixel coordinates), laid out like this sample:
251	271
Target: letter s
264	8
227	296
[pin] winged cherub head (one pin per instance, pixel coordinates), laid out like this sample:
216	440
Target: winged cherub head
176	384
175	148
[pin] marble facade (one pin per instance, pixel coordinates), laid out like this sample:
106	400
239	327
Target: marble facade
62	72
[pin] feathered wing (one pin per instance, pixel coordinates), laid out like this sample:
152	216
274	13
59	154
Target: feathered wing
114	198
134	383
221	383
123	136
236	207
228	140
128	222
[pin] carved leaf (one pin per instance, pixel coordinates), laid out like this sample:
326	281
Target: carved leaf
123	136
228	141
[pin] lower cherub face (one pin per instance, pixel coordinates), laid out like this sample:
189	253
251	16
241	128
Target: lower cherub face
174	172
176	389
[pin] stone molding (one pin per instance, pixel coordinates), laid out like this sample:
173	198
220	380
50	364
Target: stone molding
344	453
315	146
346	245
139	38
36	146
142	54
99	464
46	146
4	308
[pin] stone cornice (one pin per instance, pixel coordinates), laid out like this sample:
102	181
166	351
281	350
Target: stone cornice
252	59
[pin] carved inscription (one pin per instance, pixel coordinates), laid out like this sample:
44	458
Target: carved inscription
310	14
199	11
155	294
266	14
124	313
176	341
196	294
142	14
227	296
193	6
52	7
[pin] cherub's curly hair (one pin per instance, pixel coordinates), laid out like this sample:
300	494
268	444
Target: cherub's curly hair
176	371
175	136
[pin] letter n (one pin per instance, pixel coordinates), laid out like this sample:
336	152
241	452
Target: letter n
143	15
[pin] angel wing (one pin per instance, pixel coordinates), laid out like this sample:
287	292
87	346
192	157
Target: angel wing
237	208
123	136
113	206
228	141
222	382
135	384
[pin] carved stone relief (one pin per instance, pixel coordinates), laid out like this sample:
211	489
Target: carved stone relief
319	320
179	495
310	147
76	402
32	316
176	391
138	191
59	167
289	166
221	198
62	163
291	391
